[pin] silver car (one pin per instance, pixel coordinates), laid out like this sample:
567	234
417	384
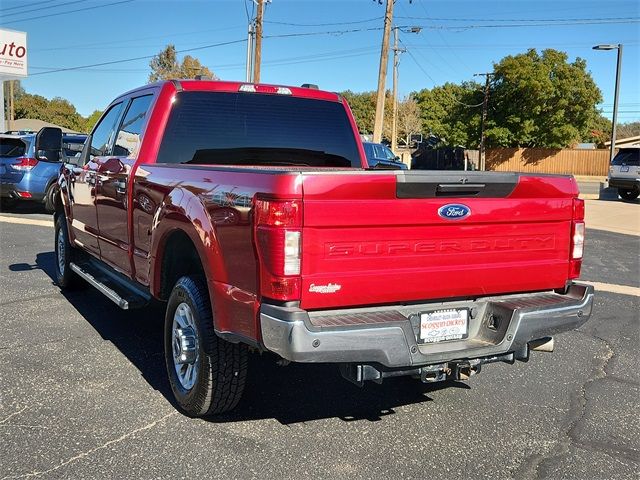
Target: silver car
624	173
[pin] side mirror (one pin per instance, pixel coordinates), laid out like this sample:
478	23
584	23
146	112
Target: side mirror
49	143
397	158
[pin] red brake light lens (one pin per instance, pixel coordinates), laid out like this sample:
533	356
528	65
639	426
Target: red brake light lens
279	243
25	164
578	209
278	213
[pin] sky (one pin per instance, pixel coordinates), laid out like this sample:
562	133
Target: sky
334	44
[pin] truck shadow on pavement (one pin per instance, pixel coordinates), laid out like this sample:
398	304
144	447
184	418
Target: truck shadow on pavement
291	394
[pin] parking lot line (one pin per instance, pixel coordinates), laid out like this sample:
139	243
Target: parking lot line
613	288
26	221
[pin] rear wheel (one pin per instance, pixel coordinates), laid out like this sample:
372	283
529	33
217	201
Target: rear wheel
629	193
207	374
64	254
7	203
49	198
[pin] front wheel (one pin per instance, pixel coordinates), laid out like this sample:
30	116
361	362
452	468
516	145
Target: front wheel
207	374
629	193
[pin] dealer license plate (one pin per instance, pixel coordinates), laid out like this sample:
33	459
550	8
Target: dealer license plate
625	168
443	325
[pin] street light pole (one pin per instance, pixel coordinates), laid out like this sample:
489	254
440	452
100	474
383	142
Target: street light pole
614	121
612	151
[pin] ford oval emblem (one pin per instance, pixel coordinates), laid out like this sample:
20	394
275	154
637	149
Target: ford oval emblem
454	211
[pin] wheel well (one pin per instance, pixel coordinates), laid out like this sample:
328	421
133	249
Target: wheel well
179	258
58	206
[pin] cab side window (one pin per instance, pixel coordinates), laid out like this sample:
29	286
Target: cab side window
104	132
130	133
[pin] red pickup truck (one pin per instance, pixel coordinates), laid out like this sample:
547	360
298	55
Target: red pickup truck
249	209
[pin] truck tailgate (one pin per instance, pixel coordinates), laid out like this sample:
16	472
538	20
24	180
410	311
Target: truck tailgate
377	237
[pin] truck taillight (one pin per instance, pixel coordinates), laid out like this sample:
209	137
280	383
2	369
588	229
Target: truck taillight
24	164
577	239
278	225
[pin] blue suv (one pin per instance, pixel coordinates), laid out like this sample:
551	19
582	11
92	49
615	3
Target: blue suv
30	175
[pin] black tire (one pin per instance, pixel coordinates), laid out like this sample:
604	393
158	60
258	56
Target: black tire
49	198
220	368
7	203
64	255
629	193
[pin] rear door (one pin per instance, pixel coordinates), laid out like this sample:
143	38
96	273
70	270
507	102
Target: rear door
389	237
113	172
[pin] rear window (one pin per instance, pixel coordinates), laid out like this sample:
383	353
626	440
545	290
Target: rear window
12	147
214	128
627	157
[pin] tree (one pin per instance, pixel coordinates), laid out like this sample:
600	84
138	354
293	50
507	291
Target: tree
91	120
625	130
363	107
451	112
541	100
165	66
409	119
57	110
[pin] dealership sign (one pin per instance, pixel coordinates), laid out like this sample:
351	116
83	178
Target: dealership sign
13	54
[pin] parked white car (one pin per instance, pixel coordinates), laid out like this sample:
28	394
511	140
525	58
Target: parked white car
624	173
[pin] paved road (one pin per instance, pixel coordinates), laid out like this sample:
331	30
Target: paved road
83	394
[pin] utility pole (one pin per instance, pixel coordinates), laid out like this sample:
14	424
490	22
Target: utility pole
396	60
11	109
2	127
250	53
258	46
485	108
382	73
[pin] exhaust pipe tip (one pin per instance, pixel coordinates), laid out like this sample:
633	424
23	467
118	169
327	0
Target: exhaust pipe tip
542	345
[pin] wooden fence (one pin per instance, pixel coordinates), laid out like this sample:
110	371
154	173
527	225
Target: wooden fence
543	160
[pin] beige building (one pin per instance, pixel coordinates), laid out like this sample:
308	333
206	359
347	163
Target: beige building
32	125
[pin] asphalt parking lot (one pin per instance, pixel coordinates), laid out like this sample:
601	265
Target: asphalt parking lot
83	394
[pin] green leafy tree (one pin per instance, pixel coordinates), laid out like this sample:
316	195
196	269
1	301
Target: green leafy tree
363	107
451	112
91	120
165	66
599	131
57	110
541	100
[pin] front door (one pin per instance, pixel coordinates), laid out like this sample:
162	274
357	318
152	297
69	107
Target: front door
84	221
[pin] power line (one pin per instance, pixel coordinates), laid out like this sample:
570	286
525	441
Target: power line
44	8
166	36
420	67
144	57
515	25
317	57
68	12
519	19
355	22
27	5
329	32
